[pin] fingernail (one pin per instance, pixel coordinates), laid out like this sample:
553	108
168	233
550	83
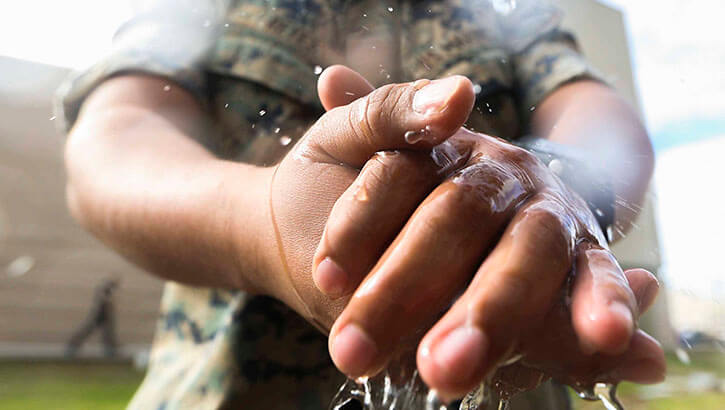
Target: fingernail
643	371
648	296
330	278
353	350
433	98
461	352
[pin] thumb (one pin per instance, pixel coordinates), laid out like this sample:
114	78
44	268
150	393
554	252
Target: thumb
339	85
416	115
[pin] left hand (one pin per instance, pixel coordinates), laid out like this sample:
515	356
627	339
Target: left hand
506	201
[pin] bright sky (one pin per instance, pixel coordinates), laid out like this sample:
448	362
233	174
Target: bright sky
690	198
679	58
69	33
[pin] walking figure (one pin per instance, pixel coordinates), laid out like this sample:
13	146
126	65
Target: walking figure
100	316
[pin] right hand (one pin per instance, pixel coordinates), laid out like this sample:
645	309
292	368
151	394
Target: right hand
329	157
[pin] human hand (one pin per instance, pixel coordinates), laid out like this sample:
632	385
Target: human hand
328	158
514	296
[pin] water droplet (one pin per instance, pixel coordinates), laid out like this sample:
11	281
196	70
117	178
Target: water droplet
362	194
556	166
413	137
167	87
390	9
226	105
318	70
599	212
682	356
365	14
226	24
349	93
262	112
51	118
504	7
285	140
276	130
532	108
476	88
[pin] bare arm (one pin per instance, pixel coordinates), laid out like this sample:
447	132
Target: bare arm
139	181
594	117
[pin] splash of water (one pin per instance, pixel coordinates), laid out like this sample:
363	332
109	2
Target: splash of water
400	387
606	393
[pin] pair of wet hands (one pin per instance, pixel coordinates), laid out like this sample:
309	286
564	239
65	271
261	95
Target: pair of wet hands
454	240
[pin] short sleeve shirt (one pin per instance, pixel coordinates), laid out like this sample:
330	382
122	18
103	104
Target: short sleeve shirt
253	66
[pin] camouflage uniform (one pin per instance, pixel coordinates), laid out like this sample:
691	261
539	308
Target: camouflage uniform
253	65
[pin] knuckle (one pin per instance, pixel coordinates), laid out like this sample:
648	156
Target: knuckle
473	203
399	166
512	289
550	236
545	218
493	187
378	113
521	158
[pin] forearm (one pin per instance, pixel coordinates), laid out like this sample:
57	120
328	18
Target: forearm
595	118
142	185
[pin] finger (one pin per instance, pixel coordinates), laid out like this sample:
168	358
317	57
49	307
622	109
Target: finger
603	306
645	287
512	291
363	222
554	347
368	215
339	85
427	265
644	362
416	115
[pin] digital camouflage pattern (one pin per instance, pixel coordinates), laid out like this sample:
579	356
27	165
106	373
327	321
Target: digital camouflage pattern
256	74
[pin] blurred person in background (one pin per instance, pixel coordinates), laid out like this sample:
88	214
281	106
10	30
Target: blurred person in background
281	206
101	316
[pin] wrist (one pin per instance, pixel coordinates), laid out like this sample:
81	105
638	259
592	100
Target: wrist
250	229
591	183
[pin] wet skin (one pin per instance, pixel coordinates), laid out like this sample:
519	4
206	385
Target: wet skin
451	215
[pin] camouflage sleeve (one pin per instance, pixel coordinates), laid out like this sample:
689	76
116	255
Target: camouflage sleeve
274	43
169	39
549	62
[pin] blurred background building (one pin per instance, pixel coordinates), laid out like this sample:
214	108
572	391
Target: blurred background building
49	266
